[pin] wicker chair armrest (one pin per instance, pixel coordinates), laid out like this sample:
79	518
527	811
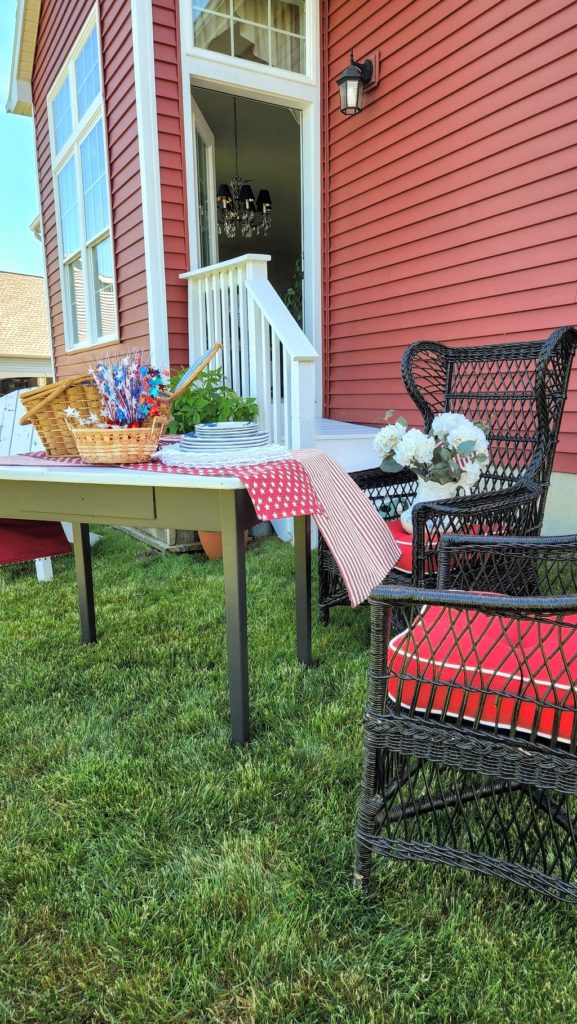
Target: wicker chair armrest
528	546
514	605
488	502
520	565
378	477
514	510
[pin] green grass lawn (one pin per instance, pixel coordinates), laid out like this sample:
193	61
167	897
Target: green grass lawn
151	874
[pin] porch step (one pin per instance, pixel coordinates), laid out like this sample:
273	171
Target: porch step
351	444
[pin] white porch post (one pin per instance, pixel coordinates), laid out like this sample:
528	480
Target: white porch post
146	115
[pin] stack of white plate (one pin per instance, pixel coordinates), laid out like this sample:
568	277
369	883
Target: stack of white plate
222	444
231	436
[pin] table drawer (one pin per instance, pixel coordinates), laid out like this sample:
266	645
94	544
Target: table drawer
89	503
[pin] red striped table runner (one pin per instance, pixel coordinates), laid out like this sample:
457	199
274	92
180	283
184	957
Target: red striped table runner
359	539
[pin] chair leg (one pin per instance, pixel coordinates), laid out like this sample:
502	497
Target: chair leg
417	810
369	821
363	867
324	615
367	827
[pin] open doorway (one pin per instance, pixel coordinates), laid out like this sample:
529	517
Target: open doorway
269	157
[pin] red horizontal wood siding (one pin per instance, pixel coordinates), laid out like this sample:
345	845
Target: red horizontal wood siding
450	202
167	61
60	24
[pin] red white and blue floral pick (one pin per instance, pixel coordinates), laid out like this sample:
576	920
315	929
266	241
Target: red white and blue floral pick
131	392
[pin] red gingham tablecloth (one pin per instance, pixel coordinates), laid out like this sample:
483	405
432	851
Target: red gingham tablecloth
307	483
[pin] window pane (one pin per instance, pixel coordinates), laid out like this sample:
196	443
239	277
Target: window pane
289	16
77	304
87	74
251	43
68	204
103	286
245	29
251	10
288	52
213	6
62	115
94	182
212	32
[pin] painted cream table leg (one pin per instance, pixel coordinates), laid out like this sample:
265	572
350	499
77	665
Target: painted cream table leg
302	545
83	563
234	569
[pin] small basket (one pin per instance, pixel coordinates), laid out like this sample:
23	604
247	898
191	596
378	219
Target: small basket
125	445
117	447
45	410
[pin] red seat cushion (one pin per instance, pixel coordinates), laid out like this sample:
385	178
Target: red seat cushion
491	670
23	541
405	542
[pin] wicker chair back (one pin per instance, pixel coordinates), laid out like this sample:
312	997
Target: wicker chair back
518	388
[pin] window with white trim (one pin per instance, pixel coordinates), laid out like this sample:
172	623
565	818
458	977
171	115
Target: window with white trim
265	31
82	190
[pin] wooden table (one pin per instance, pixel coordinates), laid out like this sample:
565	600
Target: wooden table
121	497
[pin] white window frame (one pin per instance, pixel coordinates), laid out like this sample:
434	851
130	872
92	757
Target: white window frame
71	148
228	60
238	77
202	128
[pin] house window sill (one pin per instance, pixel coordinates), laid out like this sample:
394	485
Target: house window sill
91	346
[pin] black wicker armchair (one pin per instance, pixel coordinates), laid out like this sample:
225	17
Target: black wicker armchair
471	720
519	388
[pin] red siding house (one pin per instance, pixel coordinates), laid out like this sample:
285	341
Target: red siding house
445	209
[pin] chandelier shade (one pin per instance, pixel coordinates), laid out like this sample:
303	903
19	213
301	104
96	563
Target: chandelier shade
237	209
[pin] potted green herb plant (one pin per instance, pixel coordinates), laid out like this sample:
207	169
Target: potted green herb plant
209	400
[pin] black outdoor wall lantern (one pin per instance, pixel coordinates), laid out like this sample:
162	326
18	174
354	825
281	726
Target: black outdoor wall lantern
354	81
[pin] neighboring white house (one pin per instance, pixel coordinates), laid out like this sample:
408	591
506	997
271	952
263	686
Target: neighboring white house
25	351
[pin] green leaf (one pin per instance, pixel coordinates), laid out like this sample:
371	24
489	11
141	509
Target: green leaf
209	399
402	421
390	466
466	448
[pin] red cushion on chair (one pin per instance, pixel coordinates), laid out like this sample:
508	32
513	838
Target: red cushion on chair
405	542
491	670
23	541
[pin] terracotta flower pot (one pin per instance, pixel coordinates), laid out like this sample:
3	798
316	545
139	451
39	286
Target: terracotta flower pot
211	541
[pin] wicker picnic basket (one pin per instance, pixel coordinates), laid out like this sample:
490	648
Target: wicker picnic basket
123	445
45	410
133	444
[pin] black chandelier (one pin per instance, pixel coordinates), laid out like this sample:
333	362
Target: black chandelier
237	209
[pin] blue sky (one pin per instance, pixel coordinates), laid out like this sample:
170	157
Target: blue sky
19	204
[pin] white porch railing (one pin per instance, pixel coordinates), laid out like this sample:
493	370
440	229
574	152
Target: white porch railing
264	352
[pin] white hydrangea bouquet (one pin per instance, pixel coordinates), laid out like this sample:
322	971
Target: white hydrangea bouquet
449	456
